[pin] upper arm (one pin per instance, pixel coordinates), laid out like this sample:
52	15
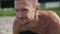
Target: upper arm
54	26
54	17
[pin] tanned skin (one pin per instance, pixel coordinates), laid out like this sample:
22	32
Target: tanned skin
29	18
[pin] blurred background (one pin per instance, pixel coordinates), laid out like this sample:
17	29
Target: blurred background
7	6
7	12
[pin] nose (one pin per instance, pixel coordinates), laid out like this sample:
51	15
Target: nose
22	15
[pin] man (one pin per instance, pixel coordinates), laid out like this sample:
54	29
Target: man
30	18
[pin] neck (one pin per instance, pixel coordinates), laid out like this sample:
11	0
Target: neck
36	15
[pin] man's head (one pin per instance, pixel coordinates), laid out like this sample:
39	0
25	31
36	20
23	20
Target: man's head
26	8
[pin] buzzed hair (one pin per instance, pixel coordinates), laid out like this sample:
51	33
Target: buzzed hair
33	2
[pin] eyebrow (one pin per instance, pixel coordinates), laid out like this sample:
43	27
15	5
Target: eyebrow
21	8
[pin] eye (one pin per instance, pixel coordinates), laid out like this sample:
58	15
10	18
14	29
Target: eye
17	10
24	10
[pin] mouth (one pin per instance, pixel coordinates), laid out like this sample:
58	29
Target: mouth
23	19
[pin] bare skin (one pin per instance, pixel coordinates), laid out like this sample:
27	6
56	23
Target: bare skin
29	18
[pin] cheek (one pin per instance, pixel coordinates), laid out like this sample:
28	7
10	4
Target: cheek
21	14
17	14
31	15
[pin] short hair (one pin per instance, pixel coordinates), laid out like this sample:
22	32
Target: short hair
33	2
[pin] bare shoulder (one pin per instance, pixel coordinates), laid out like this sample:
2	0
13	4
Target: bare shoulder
48	12
49	15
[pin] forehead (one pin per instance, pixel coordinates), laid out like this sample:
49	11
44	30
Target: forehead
22	4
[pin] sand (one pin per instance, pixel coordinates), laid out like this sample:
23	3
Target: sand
6	24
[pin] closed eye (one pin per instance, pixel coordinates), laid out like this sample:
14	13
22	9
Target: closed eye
24	10
17	10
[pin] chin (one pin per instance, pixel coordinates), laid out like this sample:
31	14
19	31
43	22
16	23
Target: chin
23	20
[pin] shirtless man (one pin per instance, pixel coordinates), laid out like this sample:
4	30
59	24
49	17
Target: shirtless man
30	18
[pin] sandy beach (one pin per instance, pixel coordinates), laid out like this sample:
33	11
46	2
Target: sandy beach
6	24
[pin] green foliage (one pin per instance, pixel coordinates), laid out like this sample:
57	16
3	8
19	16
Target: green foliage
57	10
7	12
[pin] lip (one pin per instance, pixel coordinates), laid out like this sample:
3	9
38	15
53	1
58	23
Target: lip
22	18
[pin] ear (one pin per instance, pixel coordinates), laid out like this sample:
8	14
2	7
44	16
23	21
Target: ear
36	7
